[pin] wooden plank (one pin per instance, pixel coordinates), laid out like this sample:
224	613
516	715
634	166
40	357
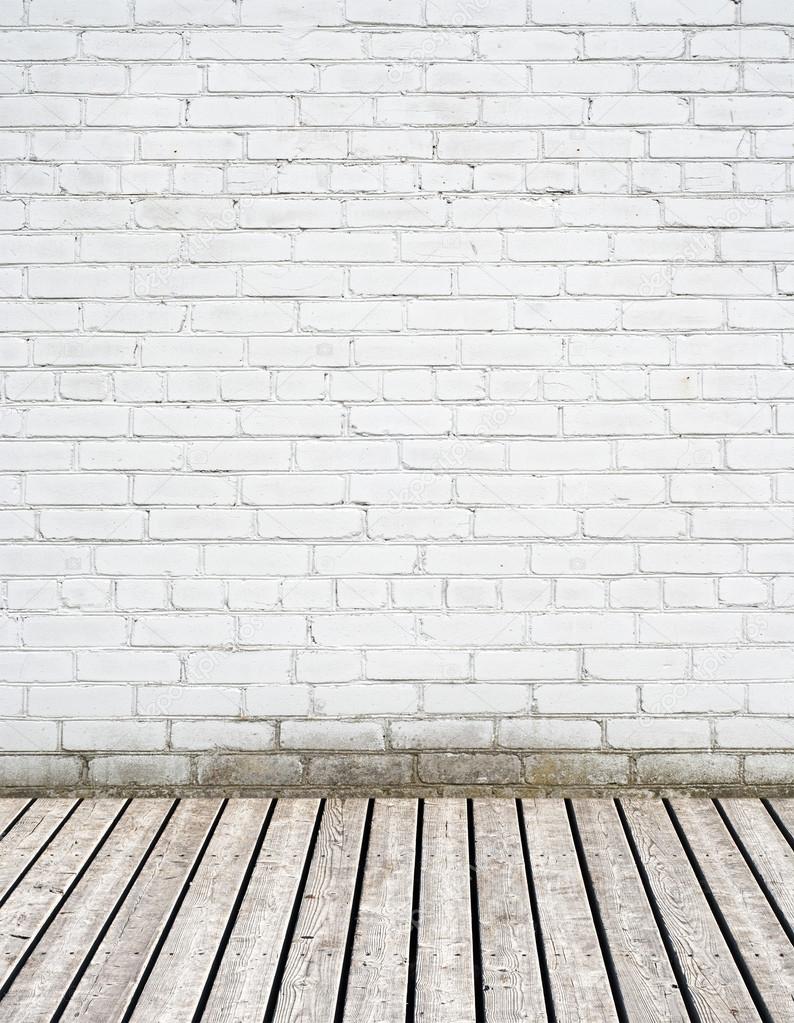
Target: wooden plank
762	943
713	981
378	975
310	985
39	988
513	990
244	981
176	983
785	810
10	809
577	974
444	954
48	882
116	966
28	838
645	977
771	854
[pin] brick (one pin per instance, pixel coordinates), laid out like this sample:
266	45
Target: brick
549	733
26	772
127	736
246	770
747	732
333	735
133	771
576	769
220	734
469	769
441	734
369	770
386	373
687	769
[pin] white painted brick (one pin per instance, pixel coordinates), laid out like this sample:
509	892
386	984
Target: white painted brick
222	734
39	667
724	44
549	733
347	700
481	699
659	733
406	665
251	594
592	698
416	593
332	735
345	630
454	733
748	732
693	698
73	631
278	701
418	523
181	630
332	559
328	666
582	628
28	736
350	377
687	592
80	701
238	667
682	627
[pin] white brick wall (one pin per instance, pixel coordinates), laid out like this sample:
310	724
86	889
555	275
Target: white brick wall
385	381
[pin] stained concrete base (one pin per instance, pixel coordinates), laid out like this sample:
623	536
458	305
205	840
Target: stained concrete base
419	773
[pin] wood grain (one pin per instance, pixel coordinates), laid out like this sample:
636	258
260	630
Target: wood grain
216	911
54	963
577	974
771	854
29	838
378	975
115	968
10	809
313	970
444	960
713	981
48	882
245	978
647	983
513	990
764	947
195	934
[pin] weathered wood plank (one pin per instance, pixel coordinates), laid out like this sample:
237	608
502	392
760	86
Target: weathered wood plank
53	965
176	983
577	974
784	810
762	943
444	955
513	989
10	809
29	837
647	983
48	882
713	981
245	978
313	970
771	854
378	976
115	968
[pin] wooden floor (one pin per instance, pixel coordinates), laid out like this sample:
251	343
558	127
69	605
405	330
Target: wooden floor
442	910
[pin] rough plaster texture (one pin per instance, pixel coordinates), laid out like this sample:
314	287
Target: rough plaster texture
396	393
